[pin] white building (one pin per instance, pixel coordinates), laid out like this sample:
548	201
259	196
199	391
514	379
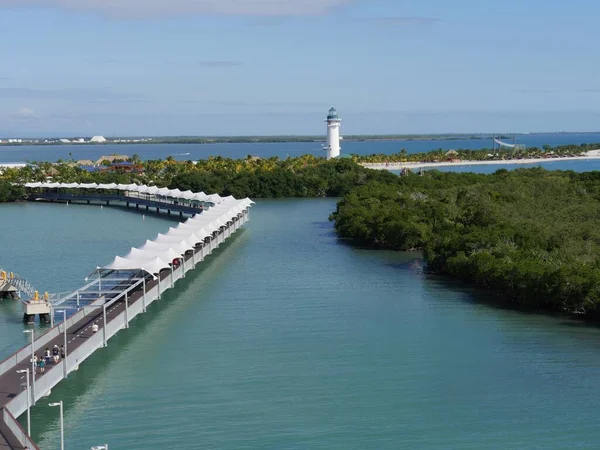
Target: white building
98	139
333	134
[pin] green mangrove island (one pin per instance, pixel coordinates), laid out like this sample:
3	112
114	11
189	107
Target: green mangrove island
529	234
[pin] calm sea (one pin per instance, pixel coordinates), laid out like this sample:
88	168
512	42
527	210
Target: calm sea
289	339
282	150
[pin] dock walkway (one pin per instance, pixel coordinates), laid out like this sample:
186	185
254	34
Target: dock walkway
123	199
111	310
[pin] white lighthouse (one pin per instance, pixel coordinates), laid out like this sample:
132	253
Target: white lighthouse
333	134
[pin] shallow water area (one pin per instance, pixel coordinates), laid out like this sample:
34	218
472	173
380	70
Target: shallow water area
288	338
55	246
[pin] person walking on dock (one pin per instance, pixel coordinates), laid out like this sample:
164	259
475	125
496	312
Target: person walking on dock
42	365
55	354
47	355
62	352
95	328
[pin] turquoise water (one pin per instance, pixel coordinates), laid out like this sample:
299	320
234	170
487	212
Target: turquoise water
289	339
293	149
56	246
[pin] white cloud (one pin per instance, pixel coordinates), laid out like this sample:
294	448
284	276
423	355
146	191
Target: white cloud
160	8
26	112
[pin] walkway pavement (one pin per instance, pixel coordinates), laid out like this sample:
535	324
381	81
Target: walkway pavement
12	383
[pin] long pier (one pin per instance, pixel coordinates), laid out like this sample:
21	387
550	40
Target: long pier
115	295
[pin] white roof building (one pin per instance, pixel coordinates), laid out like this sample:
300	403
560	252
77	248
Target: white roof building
98	139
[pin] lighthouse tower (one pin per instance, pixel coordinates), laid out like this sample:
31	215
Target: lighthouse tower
333	134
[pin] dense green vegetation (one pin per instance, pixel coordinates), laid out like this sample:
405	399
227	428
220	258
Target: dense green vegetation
10	193
305	176
529	234
484	154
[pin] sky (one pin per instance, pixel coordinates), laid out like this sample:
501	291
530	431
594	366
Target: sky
272	67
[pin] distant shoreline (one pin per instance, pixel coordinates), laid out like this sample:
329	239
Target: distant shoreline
183	140
592	154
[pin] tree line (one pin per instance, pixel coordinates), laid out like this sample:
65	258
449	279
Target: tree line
10	192
528	234
483	154
306	176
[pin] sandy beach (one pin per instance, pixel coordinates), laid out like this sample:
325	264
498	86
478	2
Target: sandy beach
592	154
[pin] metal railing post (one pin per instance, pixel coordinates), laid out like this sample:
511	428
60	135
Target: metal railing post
144	295
65	341
126	309
104	325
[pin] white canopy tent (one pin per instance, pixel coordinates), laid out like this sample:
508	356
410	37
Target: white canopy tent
155	255
196	229
107	186
186	235
214	198
181	247
187	195
166	255
200	197
143	189
223	208
174	193
152	266
190	239
212	219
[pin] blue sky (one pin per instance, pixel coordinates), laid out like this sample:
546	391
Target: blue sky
238	67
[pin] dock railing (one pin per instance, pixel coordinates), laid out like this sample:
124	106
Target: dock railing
17	430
